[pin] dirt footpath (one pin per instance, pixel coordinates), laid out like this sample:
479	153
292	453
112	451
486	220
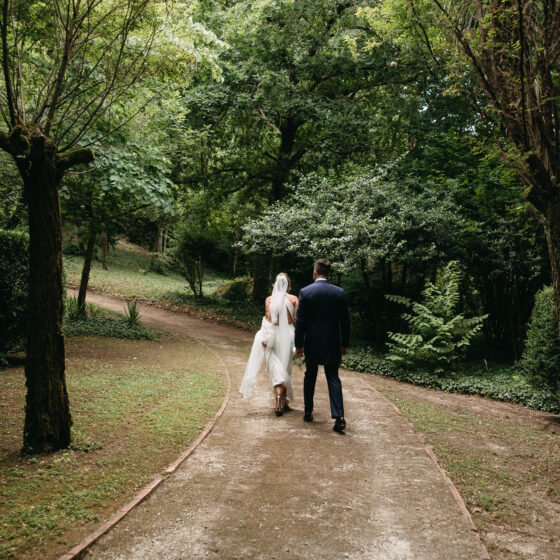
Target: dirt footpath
265	487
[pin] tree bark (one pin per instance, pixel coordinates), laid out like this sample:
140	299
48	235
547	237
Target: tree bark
47	411
260	277
86	269
158	248
236	250
552	230
105	250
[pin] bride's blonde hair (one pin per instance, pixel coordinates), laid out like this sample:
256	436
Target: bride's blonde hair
287	278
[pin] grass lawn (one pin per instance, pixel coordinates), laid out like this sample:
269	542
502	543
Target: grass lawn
135	404
503	458
129	276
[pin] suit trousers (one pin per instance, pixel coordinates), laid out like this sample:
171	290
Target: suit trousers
333	383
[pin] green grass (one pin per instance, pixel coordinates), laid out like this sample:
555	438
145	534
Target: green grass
135	405
129	276
505	467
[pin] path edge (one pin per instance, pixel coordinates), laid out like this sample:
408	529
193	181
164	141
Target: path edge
81	548
449	482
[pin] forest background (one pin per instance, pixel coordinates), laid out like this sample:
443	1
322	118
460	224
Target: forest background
414	146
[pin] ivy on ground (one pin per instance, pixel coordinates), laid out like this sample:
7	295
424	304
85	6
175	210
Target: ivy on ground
504	383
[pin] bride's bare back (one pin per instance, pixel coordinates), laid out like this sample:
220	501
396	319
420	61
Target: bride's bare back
291	298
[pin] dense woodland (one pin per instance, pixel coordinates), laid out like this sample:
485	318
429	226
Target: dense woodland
413	143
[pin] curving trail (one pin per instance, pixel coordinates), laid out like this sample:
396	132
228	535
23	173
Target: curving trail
265	487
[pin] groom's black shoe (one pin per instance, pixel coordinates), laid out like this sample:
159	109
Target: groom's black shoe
339	425
308	417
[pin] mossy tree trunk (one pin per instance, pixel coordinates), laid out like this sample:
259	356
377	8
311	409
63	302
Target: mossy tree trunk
47	411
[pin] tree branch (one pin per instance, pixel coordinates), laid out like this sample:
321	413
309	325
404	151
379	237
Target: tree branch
10	96
65	160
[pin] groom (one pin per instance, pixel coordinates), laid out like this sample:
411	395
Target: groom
322	334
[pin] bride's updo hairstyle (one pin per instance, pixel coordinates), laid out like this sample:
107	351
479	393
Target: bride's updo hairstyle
287	278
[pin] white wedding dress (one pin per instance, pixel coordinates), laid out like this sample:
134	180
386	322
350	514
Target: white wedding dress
278	336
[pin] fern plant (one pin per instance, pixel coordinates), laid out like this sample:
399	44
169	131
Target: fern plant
438	334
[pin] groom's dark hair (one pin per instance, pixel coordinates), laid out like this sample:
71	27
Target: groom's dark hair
322	267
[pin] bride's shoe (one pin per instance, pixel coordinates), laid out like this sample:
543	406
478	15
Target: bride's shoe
279	411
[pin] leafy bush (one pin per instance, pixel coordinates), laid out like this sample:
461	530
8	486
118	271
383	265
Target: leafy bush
159	264
14	247
73	249
439	336
541	355
497	382
246	315
107	327
72	310
238	289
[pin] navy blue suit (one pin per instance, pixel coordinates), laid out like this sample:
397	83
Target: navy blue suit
322	328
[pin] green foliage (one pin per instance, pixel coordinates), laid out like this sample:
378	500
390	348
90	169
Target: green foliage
439	336
246	315
195	239
496	382
14	247
107	327
159	263
368	215
303	87
132	313
238	289
128	176
72	310
541	355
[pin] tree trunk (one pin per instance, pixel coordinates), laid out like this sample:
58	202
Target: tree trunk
85	273
260	277
552	230
105	250
47	411
236	250
158	245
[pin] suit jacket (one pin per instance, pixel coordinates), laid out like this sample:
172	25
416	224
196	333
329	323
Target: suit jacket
322	323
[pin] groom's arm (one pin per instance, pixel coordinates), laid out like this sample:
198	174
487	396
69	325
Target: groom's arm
344	320
301	325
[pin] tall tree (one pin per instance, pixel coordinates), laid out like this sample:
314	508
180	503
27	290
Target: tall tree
65	63
299	92
126	179
503	55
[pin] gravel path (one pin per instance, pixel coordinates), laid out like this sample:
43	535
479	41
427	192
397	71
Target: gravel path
265	487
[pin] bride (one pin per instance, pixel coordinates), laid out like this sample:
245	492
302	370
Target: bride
274	343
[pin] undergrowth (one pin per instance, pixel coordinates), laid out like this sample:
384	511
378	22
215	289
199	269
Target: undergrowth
498	382
107	327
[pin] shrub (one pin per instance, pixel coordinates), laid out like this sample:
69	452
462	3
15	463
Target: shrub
107	327
159	264
132	313
494	381
439	335
14	267
541	356
239	289
72	310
